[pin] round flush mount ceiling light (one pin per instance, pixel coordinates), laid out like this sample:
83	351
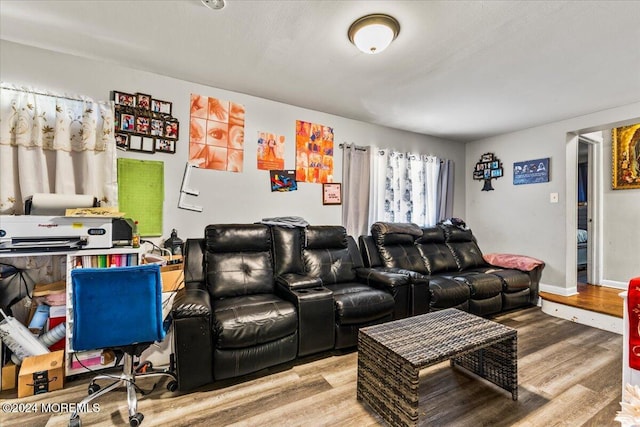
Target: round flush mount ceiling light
374	33
213	4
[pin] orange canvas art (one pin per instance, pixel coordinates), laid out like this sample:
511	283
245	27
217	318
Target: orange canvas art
314	152
270	151
216	134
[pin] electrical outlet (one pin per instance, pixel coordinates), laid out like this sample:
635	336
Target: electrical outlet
553	198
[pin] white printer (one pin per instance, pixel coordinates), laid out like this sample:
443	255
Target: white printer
39	233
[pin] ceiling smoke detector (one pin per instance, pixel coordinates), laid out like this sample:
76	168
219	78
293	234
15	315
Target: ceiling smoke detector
213	4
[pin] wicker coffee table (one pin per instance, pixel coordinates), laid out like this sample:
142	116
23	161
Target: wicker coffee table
391	355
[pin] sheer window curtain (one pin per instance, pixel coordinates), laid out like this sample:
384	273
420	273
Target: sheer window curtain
404	188
55	144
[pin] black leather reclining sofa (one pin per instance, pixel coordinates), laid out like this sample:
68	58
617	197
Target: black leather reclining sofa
449	259
256	296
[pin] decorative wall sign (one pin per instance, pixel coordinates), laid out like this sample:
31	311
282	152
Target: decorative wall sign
331	193
626	157
489	167
531	171
139	115
314	152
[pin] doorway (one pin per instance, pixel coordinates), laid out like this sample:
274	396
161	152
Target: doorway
589	196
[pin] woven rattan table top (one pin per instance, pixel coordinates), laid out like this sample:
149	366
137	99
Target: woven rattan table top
437	336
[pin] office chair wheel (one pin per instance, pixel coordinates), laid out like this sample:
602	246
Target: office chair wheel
75	422
172	385
93	388
136	420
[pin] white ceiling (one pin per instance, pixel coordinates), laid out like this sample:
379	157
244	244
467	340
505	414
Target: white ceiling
460	70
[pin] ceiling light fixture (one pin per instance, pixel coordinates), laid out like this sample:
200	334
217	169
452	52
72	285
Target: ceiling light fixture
374	33
213	4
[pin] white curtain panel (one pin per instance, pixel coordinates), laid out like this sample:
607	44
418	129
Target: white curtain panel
55	144
378	188
404	188
431	173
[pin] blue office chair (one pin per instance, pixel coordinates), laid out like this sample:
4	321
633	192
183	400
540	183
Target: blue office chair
118	308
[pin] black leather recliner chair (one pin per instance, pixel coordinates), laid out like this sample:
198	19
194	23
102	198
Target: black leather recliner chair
257	296
250	326
332	256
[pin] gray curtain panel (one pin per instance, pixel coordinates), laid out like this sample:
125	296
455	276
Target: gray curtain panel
445	187
356	164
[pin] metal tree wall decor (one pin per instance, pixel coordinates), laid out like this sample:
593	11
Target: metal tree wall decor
489	167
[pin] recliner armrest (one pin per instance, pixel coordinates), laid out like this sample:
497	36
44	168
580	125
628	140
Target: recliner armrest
295	281
192	301
382	278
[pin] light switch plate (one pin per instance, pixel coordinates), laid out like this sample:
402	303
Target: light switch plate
553	198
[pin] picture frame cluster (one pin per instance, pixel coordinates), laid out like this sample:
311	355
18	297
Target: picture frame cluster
144	124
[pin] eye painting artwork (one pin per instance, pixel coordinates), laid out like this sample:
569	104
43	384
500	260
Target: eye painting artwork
216	133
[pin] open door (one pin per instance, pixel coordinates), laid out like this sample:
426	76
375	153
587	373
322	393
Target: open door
590	170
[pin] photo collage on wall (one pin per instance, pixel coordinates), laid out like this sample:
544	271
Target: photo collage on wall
314	152
216	134
144	124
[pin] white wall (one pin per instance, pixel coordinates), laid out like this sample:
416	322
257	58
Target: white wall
520	219
225	196
621	227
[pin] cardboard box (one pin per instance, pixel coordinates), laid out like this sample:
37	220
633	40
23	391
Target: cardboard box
172	274
9	376
40	374
172	280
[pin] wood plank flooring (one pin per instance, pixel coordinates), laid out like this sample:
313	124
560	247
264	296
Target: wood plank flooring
569	375
600	299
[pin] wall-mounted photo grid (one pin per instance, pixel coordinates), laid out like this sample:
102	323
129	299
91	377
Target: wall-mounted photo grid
144	124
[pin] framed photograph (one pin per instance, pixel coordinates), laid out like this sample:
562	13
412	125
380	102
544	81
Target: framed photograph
143	125
487	157
143	101
171	129
157	127
122	141
332	193
158	106
127	122
625	155
165	146
122	98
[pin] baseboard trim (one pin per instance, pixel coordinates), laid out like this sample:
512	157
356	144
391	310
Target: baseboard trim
614	284
584	317
557	290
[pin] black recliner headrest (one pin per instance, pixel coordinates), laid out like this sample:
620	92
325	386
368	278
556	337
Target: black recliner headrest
392	233
237	238
456	234
326	237
431	235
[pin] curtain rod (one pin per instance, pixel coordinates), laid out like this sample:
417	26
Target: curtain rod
343	145
35	92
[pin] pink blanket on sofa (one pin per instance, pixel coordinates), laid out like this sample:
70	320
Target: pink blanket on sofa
519	262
